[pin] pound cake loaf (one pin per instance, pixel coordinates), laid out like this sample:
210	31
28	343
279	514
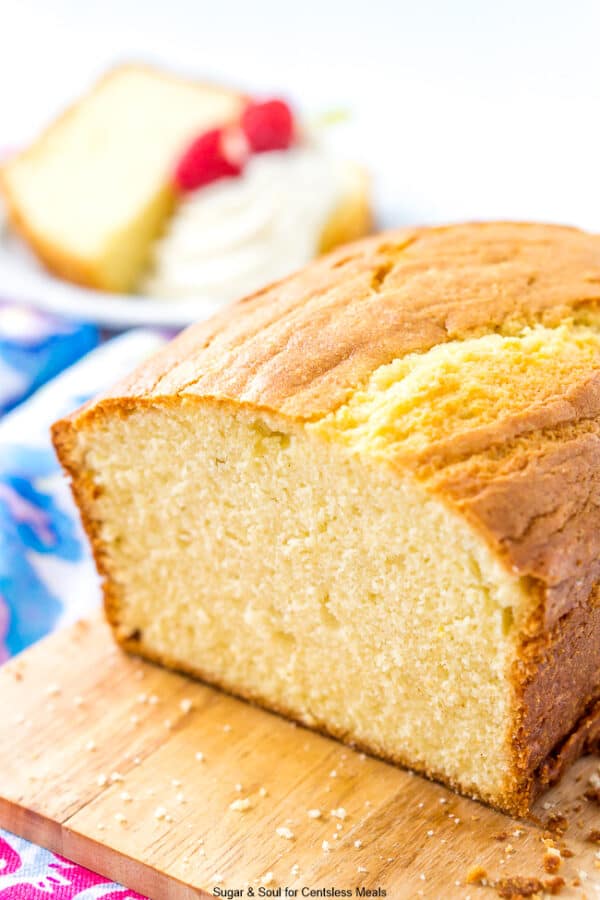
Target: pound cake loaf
368	498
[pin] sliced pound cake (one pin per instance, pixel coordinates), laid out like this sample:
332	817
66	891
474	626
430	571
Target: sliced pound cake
93	192
368	498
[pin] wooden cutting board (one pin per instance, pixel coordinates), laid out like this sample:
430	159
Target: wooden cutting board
103	760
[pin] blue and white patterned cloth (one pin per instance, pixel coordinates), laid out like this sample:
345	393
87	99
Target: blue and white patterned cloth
47	578
35	346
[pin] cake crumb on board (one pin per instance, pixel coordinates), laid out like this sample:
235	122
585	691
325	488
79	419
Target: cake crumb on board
552	860
516	887
241	804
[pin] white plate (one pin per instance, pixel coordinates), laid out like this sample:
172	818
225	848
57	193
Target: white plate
23	280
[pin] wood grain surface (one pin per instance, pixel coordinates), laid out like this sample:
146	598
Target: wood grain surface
180	791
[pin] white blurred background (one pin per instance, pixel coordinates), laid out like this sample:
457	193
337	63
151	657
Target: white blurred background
462	109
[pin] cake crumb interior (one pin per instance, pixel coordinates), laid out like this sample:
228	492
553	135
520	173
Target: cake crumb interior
259	555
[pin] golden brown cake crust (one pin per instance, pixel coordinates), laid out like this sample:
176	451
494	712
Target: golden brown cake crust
301	346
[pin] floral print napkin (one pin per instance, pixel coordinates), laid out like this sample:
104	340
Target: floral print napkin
47	577
28	872
35	346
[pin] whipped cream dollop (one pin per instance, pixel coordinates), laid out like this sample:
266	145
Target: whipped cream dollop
233	237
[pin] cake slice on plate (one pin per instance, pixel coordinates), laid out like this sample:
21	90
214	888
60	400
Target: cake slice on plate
369	498
95	192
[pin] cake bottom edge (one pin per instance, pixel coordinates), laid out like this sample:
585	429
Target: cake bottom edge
582	739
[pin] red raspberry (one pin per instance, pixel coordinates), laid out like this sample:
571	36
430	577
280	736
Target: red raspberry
205	160
268	125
